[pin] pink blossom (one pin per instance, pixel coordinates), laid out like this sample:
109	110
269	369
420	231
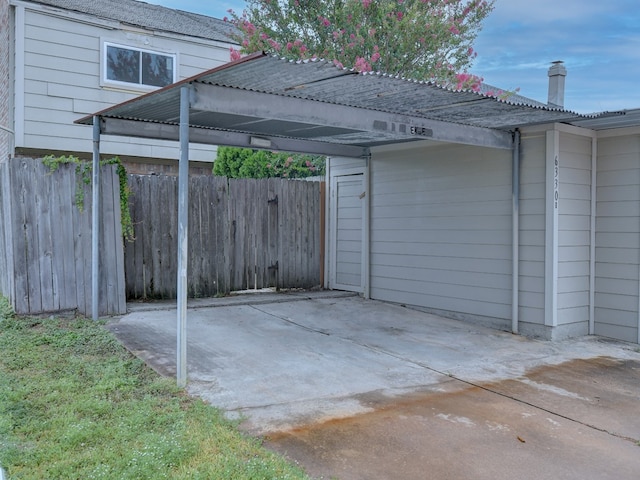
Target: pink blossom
249	27
362	65
453	29
275	45
234	54
375	57
366	3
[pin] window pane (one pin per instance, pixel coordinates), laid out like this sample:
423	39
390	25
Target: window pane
123	65
157	70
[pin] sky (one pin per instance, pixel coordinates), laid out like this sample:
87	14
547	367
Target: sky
598	40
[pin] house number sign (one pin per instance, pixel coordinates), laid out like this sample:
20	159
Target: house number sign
556	171
422	131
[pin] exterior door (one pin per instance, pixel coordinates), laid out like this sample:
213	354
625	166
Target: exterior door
347	233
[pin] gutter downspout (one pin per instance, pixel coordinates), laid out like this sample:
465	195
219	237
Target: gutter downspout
367	229
515	233
592	236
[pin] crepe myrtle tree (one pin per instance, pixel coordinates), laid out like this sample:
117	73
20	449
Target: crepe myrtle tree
418	39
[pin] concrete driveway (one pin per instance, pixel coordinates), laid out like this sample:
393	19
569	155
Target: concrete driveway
357	389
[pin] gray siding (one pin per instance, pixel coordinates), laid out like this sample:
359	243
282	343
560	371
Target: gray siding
618	238
532	228
574	229
63	83
441	230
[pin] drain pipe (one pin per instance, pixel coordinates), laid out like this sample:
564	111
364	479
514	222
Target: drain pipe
515	233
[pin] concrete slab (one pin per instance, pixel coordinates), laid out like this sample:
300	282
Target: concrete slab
359	389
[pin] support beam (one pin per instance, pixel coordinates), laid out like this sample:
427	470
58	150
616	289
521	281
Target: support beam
133	128
183	232
224	100
95	222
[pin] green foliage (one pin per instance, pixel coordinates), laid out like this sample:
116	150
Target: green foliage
75	404
425	40
234	162
6	310
84	171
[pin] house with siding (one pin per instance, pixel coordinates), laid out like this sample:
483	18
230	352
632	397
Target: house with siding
515	214
436	229
60	59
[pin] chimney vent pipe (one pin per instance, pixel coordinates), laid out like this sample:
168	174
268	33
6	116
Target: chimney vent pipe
557	74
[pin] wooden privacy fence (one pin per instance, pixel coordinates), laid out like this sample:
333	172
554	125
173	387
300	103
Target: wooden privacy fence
45	254
243	234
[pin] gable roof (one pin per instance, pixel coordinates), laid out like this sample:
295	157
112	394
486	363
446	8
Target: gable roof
148	16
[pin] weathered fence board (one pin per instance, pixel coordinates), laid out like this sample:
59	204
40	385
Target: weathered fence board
49	240
243	234
6	246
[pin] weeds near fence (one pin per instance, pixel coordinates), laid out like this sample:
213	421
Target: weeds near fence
84	171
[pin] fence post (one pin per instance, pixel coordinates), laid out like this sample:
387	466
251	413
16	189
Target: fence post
183	244
95	221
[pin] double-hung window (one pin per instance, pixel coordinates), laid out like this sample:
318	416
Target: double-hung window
134	66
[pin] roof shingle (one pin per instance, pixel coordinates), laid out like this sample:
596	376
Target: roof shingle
152	17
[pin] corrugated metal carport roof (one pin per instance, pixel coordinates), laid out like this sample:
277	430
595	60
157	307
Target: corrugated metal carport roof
313	106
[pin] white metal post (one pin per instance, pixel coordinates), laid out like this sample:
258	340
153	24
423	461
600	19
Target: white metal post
183	211
95	221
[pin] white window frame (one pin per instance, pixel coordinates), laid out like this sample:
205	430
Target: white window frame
107	82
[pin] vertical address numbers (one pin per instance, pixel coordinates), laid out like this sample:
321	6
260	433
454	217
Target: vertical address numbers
556	171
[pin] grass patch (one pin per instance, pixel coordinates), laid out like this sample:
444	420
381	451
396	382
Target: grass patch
74	404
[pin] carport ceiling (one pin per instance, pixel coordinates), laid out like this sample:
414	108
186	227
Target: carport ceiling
262	101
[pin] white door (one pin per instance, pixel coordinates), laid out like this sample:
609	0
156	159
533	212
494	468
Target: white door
347	232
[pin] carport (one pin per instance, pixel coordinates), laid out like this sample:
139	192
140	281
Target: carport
313	107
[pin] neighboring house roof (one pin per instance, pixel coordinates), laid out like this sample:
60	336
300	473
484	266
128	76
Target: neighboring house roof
152	17
313	101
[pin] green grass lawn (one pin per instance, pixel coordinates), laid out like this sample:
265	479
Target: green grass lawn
74	404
